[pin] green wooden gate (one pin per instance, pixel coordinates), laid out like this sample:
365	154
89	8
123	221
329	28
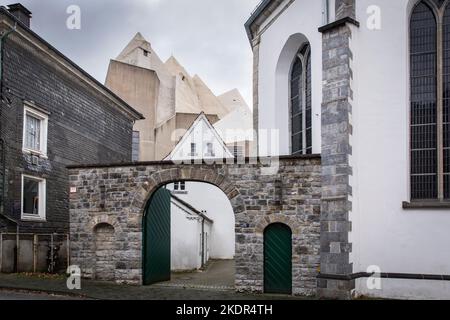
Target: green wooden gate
278	259
156	241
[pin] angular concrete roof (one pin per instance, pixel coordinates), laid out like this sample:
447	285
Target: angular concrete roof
186	94
138	41
209	103
175	68
233	100
240	118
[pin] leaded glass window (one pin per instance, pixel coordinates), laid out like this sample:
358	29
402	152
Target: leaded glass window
423	51
301	102
430	101
446	103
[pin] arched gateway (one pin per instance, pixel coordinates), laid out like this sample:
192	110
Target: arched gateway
119	194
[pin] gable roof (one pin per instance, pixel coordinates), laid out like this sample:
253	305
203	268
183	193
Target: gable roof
254	15
201	118
190	207
72	66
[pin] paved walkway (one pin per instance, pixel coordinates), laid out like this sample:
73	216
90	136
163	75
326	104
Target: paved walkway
111	291
26	295
218	275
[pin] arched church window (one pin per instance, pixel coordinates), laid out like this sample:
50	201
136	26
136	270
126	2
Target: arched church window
430	101
301	106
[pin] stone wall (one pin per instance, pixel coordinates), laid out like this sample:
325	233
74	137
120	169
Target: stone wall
118	195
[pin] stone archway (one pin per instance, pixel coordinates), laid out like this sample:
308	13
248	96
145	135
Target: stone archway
119	194
194	174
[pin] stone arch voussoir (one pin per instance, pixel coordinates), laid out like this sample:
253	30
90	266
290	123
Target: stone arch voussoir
264	222
104	219
189	173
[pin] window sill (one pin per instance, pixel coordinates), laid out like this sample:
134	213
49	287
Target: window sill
179	192
33	219
426	205
35	153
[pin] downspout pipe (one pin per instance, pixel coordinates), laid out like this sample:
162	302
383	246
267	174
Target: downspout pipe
2	41
3	142
203	242
2	209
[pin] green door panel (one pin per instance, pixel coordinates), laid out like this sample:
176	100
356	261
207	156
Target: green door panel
278	259
156	242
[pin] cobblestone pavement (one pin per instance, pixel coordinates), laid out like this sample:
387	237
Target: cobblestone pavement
112	291
218	275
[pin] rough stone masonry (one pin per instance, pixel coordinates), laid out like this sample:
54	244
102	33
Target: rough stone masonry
114	198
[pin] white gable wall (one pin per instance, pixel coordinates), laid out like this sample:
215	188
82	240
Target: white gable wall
201	133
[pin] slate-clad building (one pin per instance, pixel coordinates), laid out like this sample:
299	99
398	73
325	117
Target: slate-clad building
53	114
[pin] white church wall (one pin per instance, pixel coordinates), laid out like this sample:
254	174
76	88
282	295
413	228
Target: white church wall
279	44
384	234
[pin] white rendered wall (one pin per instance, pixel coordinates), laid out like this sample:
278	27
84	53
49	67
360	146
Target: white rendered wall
279	45
218	208
185	241
384	234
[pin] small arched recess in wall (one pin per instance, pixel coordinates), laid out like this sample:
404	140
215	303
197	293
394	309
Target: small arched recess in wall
104	249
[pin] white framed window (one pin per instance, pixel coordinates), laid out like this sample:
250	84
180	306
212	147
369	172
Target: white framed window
135	146
210	150
179	186
34	195
237	151
193	152
35	128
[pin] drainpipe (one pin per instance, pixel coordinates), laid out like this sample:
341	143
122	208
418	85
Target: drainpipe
203	242
325	12
2	208
2	41
3	143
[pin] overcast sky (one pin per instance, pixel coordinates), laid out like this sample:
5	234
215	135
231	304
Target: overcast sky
206	36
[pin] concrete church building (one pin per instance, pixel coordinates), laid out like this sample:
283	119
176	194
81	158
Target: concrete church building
168	97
